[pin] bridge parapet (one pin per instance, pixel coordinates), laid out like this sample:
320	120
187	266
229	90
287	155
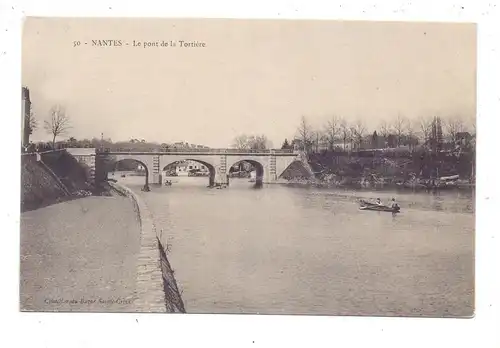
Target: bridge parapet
197	151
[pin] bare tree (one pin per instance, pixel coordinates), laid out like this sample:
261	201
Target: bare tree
305	133
318	138
453	126
410	131
251	142
471	125
58	124
384	131
332	129
345	133
425	125
399	126
357	132
259	142
241	142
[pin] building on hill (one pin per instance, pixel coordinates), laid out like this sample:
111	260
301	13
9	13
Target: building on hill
186	145
463	138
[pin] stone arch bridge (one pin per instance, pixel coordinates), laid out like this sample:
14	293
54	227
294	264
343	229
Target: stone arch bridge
269	164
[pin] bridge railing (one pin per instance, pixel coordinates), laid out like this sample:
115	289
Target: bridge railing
197	150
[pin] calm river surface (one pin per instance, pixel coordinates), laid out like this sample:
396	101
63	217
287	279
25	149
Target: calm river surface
289	250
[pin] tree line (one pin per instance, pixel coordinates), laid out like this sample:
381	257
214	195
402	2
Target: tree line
58	124
337	134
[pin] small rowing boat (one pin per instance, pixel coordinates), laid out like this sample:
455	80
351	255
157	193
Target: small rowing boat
364	205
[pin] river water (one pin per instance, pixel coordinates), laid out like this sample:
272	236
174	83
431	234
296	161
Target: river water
289	250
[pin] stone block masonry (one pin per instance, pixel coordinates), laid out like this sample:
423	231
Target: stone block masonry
156	288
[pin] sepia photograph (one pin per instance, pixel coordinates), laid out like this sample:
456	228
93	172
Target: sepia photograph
248	166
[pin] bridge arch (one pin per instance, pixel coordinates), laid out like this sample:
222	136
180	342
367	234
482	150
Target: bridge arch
257	165
113	163
209	166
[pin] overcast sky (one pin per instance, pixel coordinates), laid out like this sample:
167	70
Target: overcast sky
253	76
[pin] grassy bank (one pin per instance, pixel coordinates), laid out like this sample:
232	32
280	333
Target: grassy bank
54	177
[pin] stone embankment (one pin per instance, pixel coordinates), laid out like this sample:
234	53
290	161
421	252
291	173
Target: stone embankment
157	289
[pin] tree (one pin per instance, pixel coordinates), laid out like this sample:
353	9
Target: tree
454	125
399	126
241	142
425	128
358	131
316	138
58	124
436	135
410	131
251	142
391	140
285	145
259	142
332	129
375	140
345	133
305	134
385	131
471	124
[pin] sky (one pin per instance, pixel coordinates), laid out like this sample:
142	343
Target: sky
252	76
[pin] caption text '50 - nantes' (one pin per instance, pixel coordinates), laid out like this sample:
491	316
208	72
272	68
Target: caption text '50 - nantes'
144	44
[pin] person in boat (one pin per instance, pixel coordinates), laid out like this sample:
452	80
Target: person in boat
394	204
378	201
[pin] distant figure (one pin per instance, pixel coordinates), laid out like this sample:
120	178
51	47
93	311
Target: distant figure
378	201
394	204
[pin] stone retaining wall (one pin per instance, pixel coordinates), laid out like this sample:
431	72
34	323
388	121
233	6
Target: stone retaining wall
156	288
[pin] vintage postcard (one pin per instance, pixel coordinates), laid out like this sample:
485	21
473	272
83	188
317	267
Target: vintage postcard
307	167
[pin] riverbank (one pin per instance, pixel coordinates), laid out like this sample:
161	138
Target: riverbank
359	185
52	178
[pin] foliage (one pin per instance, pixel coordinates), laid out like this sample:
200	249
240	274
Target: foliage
251	142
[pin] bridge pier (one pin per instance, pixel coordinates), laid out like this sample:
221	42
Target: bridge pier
259	181
146	187
222	179
156	179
